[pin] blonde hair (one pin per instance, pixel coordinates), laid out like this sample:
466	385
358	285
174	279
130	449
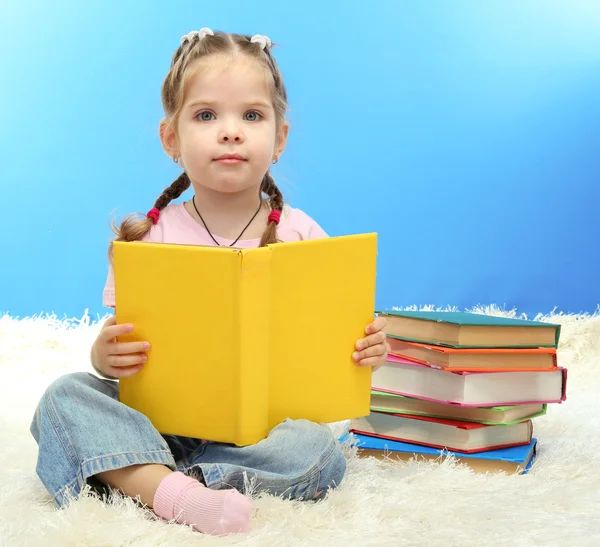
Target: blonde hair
135	227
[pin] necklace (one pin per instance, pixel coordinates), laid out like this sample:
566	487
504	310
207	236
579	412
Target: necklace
241	233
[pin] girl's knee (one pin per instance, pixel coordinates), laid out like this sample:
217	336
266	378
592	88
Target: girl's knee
316	456
63	386
68	381
301	439
61	394
71	385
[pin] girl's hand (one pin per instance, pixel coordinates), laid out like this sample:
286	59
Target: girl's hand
372	351
114	359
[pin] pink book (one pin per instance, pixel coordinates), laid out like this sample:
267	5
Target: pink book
483	389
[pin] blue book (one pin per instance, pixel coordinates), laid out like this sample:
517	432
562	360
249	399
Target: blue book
517	459
469	330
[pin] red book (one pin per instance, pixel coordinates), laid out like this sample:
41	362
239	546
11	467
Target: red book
475	359
454	435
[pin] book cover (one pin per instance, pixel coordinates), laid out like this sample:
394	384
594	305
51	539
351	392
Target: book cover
244	338
323	297
470	330
517	459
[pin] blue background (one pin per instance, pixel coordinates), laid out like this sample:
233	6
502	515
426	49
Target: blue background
466	133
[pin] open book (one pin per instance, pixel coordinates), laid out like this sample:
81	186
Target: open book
245	338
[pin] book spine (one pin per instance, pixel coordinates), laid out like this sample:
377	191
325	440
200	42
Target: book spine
557	335
254	316
564	385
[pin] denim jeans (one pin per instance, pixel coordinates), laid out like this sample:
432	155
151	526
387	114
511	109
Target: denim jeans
82	429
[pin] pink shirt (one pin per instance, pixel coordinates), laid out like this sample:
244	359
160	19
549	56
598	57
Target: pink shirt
176	225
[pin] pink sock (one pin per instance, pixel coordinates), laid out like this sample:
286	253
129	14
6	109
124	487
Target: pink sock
188	501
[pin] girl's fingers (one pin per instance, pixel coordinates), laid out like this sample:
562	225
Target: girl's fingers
370	362
371	340
112	320
378	325
126	360
113	331
124	348
373	351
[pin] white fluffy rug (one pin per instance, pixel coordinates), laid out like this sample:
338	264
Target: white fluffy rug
379	503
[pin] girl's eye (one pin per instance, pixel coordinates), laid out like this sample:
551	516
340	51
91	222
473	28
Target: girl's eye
252	116
205	116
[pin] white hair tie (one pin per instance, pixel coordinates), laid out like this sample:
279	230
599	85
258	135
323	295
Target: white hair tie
264	41
205	32
200	33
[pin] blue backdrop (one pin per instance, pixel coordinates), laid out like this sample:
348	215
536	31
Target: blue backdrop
465	133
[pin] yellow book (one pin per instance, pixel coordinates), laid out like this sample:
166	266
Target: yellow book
245	338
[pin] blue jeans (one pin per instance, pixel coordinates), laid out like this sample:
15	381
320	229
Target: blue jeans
82	429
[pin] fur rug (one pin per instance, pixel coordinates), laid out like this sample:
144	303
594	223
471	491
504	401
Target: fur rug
378	503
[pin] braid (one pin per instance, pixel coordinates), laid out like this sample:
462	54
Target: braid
134	228
269	188
179	186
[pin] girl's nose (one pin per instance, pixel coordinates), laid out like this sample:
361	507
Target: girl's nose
231	135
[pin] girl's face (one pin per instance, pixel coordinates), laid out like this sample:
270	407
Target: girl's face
227	131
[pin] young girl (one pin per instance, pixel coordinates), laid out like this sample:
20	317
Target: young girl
225	105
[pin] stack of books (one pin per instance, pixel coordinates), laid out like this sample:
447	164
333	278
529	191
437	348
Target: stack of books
463	384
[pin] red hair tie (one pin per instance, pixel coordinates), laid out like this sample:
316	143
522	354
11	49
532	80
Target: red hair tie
153	213
274	216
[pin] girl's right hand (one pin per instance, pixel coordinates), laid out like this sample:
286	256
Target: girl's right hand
116	359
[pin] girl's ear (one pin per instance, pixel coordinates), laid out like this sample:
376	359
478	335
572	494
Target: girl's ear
168	138
282	137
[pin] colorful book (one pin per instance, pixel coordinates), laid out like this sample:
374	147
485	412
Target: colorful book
412	379
469	330
382	401
514	460
465	437
470	359
244	338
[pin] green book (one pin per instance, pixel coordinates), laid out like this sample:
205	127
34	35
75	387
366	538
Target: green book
469	330
496	415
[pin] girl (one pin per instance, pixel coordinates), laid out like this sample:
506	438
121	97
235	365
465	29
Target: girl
225	103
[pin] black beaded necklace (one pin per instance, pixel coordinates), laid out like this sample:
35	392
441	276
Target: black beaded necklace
241	233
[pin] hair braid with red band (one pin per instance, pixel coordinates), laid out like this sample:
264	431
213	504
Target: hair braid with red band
134	228
269	188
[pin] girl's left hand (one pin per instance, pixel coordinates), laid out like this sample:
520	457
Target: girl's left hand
372	351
